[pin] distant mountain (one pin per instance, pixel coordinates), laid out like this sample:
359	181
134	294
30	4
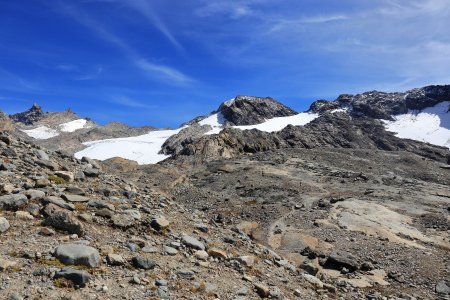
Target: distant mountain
66	130
420	114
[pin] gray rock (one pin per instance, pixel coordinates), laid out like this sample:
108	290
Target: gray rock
202	227
4	225
142	262
91	172
342	259
161	282
133	213
67	176
101	204
42	155
34	194
243	291
115	259
186	274
59	202
14	296
75	198
74	190
443	287
64	221
170	251
47	164
13	201
90	161
123	220
78	277
75	254
159	223
192	243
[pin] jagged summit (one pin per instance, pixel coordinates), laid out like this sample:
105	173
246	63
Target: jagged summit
381	105
30	116
247	110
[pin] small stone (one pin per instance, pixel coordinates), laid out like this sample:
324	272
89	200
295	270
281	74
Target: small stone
59	202
143	263
217	253
192	243
115	259
202	227
23	215
4	225
46	231
159	223
243	291
6	264
314	281
201	254
246	260
123	220
262	290
67	176
34	194
78	277
170	251
74	198
443	287
91	172
161	282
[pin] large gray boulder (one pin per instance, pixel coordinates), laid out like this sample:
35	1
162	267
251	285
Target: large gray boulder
13	201
76	254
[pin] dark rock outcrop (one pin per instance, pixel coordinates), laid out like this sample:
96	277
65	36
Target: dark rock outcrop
29	117
381	105
248	110
175	143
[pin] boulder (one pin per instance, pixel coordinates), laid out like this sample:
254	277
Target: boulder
66	221
13	201
77	254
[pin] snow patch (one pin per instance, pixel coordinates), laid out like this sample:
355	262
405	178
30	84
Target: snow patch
41	133
431	125
144	148
277	124
73	125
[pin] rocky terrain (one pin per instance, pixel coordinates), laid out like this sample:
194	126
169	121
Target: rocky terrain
338	208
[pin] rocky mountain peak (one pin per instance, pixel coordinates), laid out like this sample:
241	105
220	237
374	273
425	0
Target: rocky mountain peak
250	110
382	105
30	116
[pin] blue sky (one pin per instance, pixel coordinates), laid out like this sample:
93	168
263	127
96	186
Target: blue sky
162	62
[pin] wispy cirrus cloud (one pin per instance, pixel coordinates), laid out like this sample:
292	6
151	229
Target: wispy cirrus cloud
145	9
130	102
156	71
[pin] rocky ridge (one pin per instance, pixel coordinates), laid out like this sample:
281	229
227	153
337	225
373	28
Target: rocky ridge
381	105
